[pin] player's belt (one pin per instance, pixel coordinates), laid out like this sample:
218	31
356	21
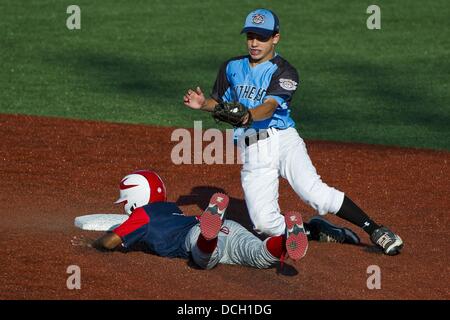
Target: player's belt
258	136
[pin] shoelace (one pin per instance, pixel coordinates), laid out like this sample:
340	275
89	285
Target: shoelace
384	240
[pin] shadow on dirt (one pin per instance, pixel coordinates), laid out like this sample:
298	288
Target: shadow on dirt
286	270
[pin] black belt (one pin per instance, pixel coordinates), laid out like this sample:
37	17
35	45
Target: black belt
257	136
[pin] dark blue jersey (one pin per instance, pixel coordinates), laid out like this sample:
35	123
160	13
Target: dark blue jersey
161	226
251	86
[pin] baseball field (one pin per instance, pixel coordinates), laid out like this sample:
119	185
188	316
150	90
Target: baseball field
79	109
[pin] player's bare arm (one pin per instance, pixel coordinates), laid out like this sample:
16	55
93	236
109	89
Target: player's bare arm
263	111
108	241
197	100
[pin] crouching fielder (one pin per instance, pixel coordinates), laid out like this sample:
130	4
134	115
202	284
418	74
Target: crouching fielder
209	239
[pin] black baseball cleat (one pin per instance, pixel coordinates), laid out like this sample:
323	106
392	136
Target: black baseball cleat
387	240
324	231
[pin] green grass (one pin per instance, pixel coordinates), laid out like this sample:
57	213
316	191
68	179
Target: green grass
133	60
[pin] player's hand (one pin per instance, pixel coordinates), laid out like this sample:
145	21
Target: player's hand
195	99
247	117
82	241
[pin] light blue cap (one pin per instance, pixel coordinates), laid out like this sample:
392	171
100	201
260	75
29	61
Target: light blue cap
263	22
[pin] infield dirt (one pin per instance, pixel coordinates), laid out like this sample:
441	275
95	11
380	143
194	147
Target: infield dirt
53	170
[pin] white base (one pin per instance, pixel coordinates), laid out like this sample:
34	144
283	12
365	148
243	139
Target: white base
100	222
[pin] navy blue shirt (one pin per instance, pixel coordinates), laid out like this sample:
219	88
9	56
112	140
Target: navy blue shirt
161	226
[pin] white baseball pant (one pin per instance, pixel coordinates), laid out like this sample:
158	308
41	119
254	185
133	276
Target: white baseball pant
284	154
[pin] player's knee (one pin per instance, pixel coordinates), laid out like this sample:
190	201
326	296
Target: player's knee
209	266
271	224
325	199
205	260
206	264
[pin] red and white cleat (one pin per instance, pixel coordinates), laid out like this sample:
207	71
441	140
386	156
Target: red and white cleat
296	238
212	218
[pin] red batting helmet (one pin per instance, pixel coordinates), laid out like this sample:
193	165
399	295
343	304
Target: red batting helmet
140	188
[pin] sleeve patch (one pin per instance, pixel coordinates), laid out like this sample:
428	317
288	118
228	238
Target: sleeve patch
288	84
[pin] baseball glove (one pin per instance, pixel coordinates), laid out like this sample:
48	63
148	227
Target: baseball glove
233	113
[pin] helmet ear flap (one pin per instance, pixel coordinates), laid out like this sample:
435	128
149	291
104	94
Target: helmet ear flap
129	208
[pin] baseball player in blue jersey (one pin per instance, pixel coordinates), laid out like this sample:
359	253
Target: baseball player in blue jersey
208	239
264	83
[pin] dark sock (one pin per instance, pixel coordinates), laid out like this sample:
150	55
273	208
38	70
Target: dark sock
352	213
206	246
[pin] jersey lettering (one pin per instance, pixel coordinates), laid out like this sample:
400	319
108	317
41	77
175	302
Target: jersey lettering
249	92
276	79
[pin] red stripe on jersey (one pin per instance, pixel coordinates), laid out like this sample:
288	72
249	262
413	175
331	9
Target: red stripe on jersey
136	220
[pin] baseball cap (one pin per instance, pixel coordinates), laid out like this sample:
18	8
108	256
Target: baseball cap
261	21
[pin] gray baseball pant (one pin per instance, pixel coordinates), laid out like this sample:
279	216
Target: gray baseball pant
235	245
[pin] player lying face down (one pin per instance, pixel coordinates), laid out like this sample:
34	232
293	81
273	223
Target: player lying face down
136	190
209	239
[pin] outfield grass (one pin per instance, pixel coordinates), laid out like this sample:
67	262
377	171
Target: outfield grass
133	60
